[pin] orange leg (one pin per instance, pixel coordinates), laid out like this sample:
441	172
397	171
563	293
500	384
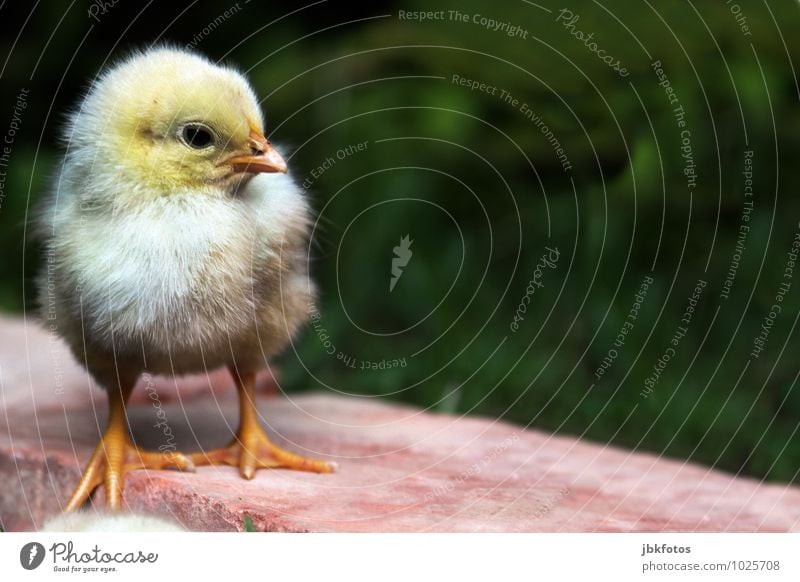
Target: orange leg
252	449
115	455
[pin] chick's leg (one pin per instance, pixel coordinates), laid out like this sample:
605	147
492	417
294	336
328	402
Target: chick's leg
252	449
115	455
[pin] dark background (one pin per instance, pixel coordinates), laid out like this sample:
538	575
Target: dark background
478	188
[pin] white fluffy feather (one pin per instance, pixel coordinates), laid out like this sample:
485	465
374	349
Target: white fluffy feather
109	522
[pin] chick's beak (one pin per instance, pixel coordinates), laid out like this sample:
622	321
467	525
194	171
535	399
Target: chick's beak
263	157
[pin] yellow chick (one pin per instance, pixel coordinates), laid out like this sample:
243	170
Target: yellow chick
176	243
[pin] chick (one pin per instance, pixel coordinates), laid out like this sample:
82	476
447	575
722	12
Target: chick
176	243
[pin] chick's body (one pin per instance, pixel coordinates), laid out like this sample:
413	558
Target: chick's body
176	243
185	283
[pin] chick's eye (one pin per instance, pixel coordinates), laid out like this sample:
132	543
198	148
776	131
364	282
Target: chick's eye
196	136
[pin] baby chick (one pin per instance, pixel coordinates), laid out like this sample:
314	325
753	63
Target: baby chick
176	243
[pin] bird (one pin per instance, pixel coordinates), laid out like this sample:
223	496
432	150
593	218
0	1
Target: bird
175	242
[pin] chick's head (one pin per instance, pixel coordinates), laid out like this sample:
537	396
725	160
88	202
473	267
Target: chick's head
171	121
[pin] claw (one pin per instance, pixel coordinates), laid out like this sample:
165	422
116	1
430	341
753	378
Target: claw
112	459
255	452
252	449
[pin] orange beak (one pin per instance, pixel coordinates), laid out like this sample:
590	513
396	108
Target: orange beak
264	158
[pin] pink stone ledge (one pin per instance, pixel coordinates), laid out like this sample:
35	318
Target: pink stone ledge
400	469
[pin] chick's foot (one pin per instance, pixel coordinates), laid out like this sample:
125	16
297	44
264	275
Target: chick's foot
253	450
114	456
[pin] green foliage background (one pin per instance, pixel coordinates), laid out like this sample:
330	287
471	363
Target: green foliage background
478	188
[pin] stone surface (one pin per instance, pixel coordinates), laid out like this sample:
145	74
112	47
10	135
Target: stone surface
400	469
